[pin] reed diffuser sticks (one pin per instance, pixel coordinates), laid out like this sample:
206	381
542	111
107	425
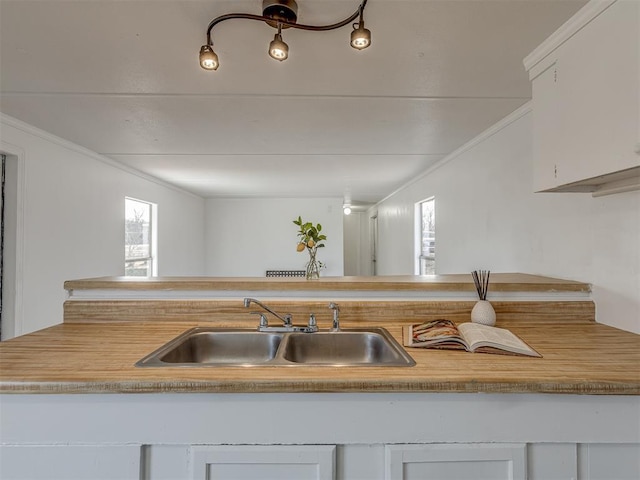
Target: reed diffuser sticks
481	279
482	311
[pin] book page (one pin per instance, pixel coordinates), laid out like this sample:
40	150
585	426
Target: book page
478	335
436	333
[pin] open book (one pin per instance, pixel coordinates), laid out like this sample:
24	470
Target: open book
472	337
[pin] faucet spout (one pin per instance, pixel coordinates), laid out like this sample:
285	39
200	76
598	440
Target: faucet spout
286	319
287	326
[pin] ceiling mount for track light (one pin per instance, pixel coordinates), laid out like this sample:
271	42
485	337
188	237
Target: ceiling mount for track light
280	11
283	14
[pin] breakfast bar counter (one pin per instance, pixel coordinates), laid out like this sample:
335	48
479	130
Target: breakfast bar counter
577	357
424	284
75	405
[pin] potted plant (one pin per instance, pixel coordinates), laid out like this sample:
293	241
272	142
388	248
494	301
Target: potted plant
310	239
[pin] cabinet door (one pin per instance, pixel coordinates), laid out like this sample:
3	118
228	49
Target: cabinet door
456	462
609	461
548	120
586	105
256	462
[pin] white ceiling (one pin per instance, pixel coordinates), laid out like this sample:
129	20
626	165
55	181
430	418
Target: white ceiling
121	77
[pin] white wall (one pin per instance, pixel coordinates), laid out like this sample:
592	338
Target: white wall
487	216
353	241
248	236
71	217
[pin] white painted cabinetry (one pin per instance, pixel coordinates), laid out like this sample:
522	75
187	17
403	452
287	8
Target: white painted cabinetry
586	101
443	461
457	461
70	462
263	462
319	436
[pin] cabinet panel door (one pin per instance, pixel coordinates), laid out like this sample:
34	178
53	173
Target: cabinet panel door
70	462
598	81
547	129
256	462
609	461
456	462
557	461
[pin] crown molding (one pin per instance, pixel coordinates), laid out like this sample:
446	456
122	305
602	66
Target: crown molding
582	17
489	132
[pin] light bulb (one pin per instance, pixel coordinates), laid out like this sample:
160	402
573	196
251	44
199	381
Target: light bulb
278	50
360	37
347	209
208	58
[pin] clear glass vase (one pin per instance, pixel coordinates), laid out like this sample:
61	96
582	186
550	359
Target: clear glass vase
313	267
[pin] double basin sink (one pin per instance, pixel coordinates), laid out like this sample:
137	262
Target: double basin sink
224	347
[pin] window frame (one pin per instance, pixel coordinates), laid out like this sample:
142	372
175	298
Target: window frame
419	256
152	257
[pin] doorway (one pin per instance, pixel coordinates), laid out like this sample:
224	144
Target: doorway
374	244
3	172
10	248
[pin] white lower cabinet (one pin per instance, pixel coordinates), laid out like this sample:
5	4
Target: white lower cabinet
328	436
263	462
430	461
534	461
456	462
607	461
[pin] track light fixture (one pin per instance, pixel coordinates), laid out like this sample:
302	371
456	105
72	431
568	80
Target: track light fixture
208	58
360	36
284	14
278	50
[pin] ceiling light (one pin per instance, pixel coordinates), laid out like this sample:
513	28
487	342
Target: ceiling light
284	14
346	209
278	50
360	36
208	58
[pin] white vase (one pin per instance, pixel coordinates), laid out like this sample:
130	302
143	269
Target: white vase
483	313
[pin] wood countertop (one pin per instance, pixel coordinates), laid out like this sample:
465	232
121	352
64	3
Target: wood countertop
500	282
579	357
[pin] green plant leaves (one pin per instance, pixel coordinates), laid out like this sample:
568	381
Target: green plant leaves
308	231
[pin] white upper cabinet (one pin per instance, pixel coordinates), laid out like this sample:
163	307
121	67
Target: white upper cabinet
586	101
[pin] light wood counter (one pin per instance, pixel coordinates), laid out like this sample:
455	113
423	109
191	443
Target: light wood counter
580	357
500	282
102	338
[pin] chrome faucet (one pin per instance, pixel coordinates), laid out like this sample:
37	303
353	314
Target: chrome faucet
287	325
336	317
286	320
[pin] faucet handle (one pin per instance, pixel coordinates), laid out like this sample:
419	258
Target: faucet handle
336	316
263	319
312	320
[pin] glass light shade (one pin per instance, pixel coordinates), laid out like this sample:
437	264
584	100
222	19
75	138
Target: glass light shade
278	50
360	37
347	210
208	58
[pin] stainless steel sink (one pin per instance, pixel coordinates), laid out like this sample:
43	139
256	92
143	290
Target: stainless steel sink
206	346
372	347
234	347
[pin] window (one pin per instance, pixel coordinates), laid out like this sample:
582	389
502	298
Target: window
140	259
426	219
